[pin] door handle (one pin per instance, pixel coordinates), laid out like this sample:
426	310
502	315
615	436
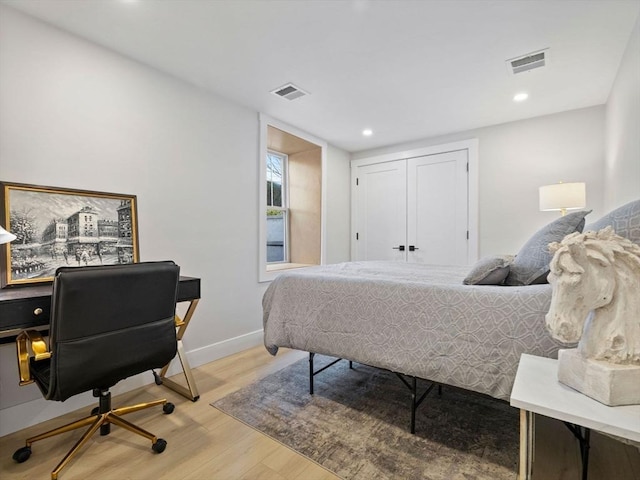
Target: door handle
401	248
413	248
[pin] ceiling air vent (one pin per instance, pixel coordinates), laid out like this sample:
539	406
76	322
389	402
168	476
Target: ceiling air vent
289	91
528	62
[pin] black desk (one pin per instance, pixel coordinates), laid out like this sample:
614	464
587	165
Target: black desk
29	307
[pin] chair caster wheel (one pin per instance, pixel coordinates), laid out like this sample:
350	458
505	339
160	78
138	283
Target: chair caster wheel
168	408
159	446
22	454
95	410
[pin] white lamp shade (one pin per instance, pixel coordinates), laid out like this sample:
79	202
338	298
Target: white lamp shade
563	196
6	237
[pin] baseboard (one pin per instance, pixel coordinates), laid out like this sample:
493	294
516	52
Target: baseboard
30	413
215	351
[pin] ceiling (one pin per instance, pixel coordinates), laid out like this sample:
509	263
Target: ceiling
407	69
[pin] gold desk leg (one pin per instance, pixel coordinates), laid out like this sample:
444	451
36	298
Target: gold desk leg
192	391
527	443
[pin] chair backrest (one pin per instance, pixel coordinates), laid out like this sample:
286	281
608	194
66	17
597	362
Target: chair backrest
109	323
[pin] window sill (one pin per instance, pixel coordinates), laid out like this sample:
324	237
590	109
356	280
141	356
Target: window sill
275	267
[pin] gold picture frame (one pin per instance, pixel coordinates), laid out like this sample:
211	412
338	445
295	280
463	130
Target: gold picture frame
58	227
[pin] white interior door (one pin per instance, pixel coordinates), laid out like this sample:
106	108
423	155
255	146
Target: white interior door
437	209
381	211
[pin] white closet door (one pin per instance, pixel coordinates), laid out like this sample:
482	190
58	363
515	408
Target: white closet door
437	211
381	211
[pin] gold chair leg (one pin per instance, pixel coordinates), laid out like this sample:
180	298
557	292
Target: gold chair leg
64	428
100	419
140	406
121	422
96	421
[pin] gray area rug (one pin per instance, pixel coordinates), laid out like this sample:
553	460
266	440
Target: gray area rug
357	424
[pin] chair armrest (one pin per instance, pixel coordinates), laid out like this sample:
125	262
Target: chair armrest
30	340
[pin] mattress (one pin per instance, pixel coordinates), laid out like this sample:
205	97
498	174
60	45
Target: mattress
415	319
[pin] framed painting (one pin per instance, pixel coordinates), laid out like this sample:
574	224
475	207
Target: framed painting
58	227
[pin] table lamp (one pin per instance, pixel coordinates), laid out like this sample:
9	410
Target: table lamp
6	237
563	197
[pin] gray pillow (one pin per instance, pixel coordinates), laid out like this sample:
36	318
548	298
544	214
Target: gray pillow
531	264
625	220
490	270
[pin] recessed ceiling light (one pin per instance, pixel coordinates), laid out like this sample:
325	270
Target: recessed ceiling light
367	132
520	97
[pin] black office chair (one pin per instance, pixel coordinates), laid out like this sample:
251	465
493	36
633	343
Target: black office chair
107	323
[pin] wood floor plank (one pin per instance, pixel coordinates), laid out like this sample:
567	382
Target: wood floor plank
633	459
262	472
559	458
287	462
206	443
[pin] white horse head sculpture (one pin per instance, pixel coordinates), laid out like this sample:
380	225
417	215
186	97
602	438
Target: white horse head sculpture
596	295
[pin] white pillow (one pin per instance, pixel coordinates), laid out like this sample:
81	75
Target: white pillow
531	264
490	270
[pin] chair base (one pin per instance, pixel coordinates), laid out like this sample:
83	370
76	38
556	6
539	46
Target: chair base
101	418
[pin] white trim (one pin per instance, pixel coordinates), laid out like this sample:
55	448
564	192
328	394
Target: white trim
215	351
470	145
354	209
474	200
419	152
265	120
30	413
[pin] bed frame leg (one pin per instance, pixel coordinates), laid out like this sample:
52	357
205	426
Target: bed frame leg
414	390
415	401
311	355
313	372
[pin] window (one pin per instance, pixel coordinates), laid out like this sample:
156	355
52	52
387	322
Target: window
291	195
277	212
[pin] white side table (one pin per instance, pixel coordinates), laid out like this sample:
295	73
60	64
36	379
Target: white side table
536	390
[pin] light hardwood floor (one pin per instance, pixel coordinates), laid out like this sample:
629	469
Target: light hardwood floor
205	444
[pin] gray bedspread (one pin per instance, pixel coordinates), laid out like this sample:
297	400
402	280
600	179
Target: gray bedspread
414	319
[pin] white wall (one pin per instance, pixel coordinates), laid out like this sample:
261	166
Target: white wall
622	168
515	159
73	114
338	205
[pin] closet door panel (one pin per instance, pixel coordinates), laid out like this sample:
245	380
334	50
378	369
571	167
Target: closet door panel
437	208
381	211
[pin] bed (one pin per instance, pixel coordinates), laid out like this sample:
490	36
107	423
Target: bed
418	320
